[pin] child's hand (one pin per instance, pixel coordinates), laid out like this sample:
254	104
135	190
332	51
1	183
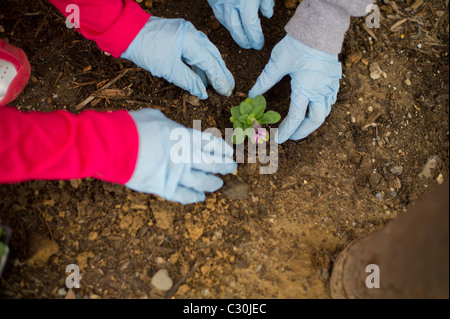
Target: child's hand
175	162
240	17
167	47
315	79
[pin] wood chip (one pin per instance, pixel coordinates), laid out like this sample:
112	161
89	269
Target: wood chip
416	4
372	119
398	24
113	93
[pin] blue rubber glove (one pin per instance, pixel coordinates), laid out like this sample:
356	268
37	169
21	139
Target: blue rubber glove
315	79
240	17
167	47
175	162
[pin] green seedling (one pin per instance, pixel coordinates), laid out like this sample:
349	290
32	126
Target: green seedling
248	117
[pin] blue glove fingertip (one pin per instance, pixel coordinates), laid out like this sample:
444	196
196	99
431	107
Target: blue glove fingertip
266	8
216	185
187	196
258	45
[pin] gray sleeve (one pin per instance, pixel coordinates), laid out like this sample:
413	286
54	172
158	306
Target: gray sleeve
322	24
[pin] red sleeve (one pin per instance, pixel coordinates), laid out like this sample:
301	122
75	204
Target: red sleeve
61	145
112	24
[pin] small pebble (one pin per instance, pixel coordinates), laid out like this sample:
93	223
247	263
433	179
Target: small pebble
236	190
396	170
375	71
325	274
193	100
218	234
61	292
427	171
397	183
161	280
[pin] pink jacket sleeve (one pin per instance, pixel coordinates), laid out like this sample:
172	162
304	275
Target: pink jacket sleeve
112	24
61	145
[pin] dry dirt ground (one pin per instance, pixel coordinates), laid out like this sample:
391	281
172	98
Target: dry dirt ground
383	147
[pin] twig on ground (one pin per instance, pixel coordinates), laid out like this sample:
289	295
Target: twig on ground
42	23
372	120
46	223
107	85
183	279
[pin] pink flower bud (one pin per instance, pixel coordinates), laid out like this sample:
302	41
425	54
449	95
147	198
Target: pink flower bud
260	135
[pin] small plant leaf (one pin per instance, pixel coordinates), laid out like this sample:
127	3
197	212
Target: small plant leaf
250	118
259	101
248	100
238	124
245	108
259	106
270	117
259	111
235	111
232	119
238	136
247	126
243	118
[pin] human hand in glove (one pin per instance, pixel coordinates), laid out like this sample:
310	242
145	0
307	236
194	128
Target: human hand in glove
175	162
240	17
315	79
168	47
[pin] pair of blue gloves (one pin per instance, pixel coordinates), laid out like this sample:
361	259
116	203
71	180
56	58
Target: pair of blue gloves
174	50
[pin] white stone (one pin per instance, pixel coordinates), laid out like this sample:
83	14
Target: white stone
161	280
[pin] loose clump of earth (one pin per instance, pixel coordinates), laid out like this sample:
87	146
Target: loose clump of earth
383	147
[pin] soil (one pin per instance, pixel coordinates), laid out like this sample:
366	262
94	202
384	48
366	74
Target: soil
261	236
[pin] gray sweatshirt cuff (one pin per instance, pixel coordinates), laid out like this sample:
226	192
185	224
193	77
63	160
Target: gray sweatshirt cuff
322	24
